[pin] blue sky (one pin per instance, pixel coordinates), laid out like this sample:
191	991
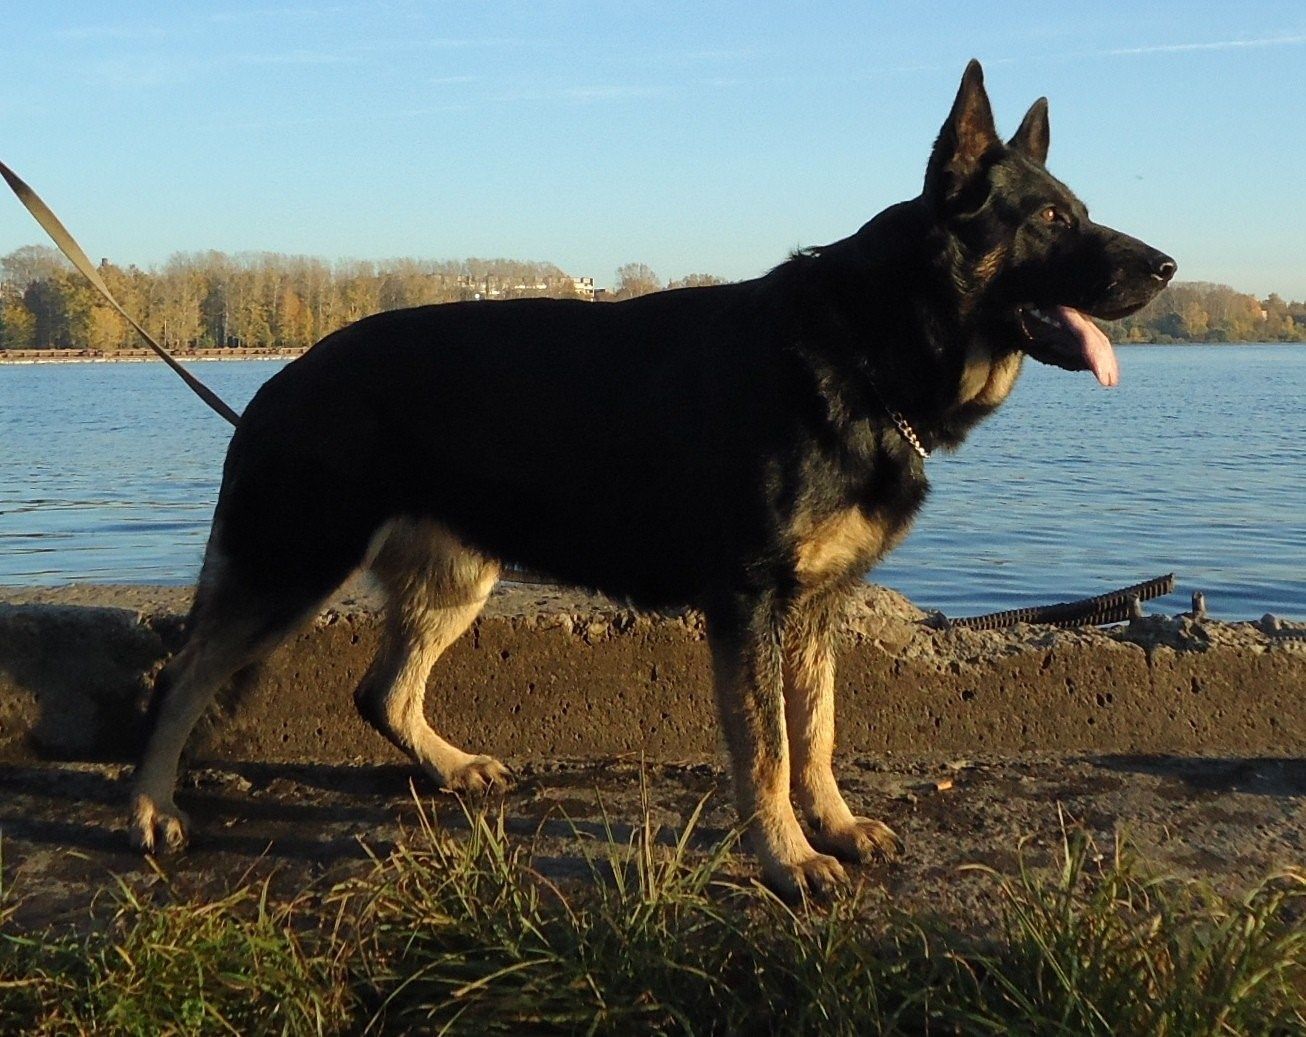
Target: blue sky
694	137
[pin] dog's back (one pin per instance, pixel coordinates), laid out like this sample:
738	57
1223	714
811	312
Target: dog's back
613	445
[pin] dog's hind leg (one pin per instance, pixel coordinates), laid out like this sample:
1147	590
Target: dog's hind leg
748	674
435	587
232	626
809	709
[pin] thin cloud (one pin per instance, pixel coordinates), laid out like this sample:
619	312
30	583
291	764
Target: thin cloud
579	94
334	119
135	75
608	93
124	73
860	76
718	54
1181	48
290	57
390	46
113	32
153	32
251	14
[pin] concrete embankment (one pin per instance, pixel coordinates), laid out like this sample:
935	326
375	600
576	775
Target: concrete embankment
548	673
1185	737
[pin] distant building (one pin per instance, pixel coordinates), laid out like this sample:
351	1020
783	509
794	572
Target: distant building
491	287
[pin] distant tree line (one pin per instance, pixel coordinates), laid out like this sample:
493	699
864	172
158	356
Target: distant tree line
1193	311
213	300
267	300
1198	311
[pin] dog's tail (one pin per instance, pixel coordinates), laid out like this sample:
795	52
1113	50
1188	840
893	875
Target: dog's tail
68	246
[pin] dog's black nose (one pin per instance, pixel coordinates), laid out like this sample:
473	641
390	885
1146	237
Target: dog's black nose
1163	267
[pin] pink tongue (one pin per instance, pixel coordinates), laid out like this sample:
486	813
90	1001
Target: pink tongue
1094	346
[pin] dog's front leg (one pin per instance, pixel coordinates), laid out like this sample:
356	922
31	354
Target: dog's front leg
748	673
809	708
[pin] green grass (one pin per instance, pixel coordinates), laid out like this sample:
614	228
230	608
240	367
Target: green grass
238	965
458	933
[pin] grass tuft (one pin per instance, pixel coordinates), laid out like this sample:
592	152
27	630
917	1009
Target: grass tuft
1103	947
462	933
467	937
239	965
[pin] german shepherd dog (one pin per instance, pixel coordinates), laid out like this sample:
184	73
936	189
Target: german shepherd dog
748	449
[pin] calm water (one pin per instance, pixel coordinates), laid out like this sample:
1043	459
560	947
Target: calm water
108	473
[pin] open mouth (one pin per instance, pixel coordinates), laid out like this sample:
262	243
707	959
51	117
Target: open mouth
1066	338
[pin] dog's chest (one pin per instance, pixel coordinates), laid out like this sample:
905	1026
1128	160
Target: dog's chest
986	382
846	542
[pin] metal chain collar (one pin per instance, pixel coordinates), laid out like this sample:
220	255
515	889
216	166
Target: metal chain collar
896	416
908	433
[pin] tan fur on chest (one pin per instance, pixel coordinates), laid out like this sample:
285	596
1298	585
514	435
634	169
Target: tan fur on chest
985	382
846	542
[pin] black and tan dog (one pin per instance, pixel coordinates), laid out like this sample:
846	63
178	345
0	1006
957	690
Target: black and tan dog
750	449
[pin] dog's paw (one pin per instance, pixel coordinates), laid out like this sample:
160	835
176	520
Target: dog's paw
818	877
156	826
480	774
862	841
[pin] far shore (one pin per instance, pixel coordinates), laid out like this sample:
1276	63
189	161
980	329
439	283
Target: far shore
130	356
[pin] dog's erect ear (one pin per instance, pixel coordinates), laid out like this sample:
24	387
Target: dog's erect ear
1032	137
966	138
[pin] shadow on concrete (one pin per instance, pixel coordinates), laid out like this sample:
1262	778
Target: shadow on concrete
1264	776
101	785
80	673
387	780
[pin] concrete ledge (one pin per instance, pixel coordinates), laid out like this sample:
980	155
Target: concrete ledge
550	673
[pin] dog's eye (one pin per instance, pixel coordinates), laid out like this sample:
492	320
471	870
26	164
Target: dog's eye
1051	214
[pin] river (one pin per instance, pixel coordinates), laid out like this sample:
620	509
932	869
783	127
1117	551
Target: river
1195	464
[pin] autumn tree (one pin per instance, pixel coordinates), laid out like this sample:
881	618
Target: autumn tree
1279	323
47	301
696	281
17	325
635	279
30	263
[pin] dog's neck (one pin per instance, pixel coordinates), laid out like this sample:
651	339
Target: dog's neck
899	420
931	395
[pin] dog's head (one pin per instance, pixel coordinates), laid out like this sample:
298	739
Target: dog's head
1029	263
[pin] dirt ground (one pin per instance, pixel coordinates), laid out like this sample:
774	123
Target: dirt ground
63	843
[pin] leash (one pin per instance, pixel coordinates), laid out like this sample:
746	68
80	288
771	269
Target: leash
68	246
